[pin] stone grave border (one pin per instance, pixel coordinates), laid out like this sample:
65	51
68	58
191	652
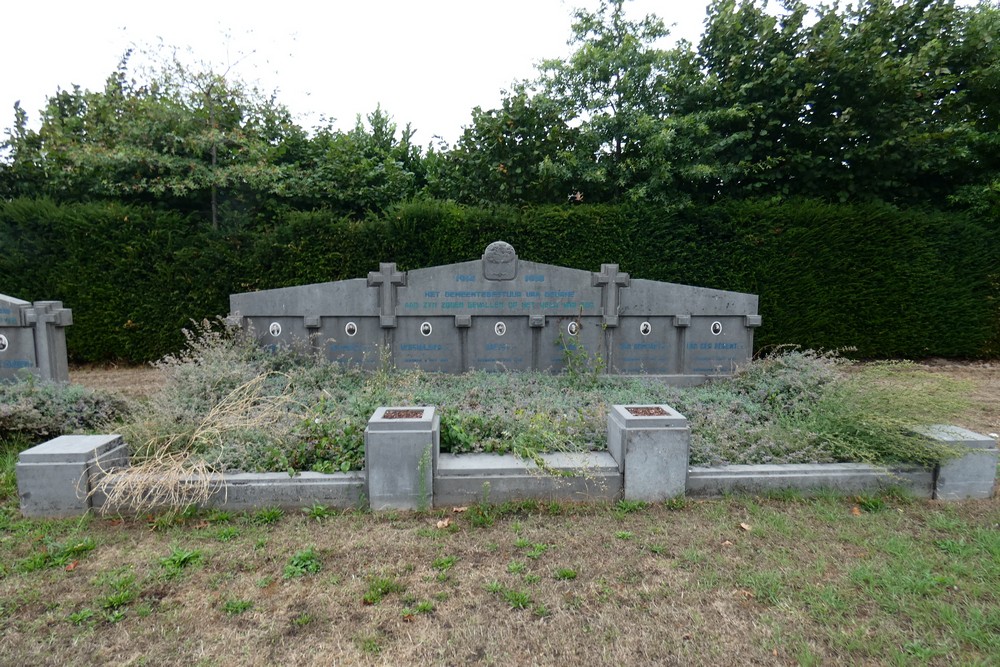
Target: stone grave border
646	459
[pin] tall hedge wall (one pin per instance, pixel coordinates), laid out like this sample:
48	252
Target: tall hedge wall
884	281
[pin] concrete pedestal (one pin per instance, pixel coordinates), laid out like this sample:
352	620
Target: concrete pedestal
971	475
55	478
401	446
651	444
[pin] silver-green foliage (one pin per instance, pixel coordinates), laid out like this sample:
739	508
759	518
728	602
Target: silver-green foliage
238	407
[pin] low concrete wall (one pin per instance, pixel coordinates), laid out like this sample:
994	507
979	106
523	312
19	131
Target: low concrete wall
846	478
406	470
468	478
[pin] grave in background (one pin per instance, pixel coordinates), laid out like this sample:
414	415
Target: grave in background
504	313
33	339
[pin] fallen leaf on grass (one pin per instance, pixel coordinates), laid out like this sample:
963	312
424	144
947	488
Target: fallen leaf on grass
459	510
444	523
856	511
747	595
72	566
202	524
727	543
745	526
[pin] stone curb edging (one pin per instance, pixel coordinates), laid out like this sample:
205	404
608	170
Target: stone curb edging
647	459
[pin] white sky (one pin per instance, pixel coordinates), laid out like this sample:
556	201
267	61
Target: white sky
428	62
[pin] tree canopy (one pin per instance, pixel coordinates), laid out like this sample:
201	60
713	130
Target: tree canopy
892	100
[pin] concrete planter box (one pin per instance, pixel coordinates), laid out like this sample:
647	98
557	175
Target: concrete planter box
651	445
401	448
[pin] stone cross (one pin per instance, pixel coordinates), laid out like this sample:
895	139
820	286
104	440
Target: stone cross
386	279
609	280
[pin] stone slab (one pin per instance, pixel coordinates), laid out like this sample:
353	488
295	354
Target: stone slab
502	313
501	465
71	449
847	478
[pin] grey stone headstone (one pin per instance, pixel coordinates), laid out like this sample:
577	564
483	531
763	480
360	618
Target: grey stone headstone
504	313
33	339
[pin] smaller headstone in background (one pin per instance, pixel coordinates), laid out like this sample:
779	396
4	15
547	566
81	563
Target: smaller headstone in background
33	339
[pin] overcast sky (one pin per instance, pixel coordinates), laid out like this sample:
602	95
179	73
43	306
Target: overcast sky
428	62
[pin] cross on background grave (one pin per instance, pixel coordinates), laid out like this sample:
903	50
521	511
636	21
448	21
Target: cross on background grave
386	279
609	280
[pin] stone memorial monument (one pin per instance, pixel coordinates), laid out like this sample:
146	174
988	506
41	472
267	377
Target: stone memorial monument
504	313
33	339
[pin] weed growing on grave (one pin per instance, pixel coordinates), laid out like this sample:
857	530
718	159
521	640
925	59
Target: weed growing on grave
379	587
179	560
445	563
266	516
623	507
55	554
516	567
235	606
302	563
228	405
81	617
317	511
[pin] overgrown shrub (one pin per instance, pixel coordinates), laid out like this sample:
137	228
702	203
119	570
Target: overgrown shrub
36	410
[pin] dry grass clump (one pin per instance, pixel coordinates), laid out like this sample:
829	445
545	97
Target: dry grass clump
164	479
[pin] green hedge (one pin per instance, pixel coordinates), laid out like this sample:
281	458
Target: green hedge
884	281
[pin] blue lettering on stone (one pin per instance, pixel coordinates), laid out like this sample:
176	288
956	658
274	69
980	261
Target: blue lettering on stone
534	278
408	347
465	278
16	363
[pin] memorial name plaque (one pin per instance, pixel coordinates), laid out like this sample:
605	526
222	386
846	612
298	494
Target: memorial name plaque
504	313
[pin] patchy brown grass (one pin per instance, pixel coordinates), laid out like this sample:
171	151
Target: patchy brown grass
137	382
983	415
717	582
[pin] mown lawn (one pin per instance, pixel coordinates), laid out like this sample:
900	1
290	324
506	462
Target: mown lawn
828	580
